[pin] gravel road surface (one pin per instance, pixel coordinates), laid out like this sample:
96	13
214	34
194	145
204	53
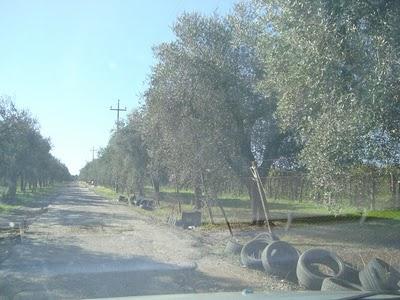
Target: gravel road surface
84	246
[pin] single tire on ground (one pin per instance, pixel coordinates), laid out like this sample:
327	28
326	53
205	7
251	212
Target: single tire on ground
280	259
337	284
233	247
309	276
351	274
250	256
379	276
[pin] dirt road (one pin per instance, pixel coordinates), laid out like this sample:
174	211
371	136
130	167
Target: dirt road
85	246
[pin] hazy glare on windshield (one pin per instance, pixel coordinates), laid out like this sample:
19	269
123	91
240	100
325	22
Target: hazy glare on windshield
169	147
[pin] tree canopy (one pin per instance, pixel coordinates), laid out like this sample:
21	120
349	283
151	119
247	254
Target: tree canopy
309	85
25	153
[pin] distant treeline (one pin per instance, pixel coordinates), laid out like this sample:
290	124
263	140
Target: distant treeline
299	86
25	158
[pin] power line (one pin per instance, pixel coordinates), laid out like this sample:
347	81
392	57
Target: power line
118	110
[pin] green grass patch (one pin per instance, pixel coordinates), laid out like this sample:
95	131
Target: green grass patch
238	207
168	189
164	211
105	192
234	201
384	214
28	198
5	208
102	191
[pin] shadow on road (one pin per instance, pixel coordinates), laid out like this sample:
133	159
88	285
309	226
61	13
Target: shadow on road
62	271
51	262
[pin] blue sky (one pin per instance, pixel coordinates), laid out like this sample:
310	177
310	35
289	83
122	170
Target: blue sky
69	61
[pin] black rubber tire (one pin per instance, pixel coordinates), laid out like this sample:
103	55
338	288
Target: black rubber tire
351	274
233	247
250	256
379	276
337	284
310	277
280	259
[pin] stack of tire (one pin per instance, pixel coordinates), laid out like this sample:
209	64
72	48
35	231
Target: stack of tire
341	276
315	269
268	253
377	275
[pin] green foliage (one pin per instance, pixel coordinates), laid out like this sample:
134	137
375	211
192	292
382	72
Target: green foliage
310	86
123	163
211	120
385	214
25	153
334	65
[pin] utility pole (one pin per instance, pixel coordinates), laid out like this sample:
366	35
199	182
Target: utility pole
118	110
93	150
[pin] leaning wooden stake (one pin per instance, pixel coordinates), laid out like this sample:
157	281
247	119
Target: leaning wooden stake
226	219
179	207
261	191
210	215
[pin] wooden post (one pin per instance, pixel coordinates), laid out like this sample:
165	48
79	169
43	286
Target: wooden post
262	193
207	204
226	219
179	207
210	213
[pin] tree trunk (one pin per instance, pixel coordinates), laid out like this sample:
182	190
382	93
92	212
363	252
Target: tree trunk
141	191
12	187
116	186
156	185
22	183
140	186
197	196
301	189
393	189
242	169
257	213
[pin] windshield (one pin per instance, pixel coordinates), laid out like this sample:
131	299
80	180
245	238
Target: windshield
186	147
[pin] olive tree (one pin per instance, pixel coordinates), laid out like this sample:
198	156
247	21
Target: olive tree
335	68
203	93
25	153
